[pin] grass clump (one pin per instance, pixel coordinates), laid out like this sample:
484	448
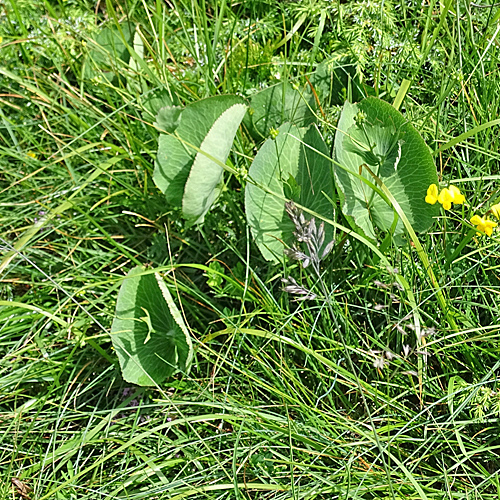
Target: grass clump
379	383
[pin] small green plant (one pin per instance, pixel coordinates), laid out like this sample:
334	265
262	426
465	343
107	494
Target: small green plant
193	150
373	143
149	334
374	134
294	165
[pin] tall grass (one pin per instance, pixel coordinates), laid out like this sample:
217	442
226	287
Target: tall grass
335	397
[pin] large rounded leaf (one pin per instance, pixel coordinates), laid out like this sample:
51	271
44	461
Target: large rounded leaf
202	186
281	103
208	125
148	333
375	134
292	166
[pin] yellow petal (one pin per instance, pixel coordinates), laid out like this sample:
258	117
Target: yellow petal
458	197
432	194
488	228
495	210
484	225
432	190
445	198
477	221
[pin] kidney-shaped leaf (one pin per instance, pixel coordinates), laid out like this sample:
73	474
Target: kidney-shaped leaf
375	134
148	333
292	166
202	186
201	125
281	103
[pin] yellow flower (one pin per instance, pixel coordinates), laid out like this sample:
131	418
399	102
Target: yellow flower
445	198
495	210
484	225
432	194
458	197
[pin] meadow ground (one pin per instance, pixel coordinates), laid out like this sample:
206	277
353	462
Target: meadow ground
381	384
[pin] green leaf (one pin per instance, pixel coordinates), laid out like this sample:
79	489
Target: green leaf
291	163
109	50
203	124
168	118
149	324
279	104
148	333
373	133
154	101
332	80
202	186
139	52
291	188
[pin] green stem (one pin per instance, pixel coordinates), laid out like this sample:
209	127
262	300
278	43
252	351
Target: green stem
420	251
